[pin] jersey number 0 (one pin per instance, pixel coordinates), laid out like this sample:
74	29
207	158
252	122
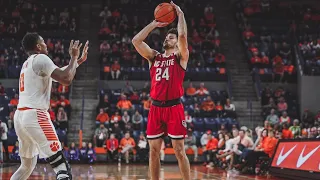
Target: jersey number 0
162	74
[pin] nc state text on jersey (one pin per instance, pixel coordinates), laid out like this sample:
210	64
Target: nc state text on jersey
165	63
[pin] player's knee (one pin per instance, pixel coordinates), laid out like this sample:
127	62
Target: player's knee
154	152
179	151
57	160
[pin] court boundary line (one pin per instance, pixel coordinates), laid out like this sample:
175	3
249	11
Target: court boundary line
219	177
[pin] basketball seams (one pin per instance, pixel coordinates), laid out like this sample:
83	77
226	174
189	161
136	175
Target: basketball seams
165	5
167	14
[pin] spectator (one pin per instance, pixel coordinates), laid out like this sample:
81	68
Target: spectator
124	104
307	118
104	104
267	150
317	118
272	117
62	119
202	91
295	129
91	154
103	118
278	69
14	101
243	144
64	102
4	139
127	89
208	105
286	133
64	90
313	133
125	118
190	142
143	148
282	105
134	98
137	121
116	118
112	147
117	130
191	91
211	150
187	117
15	153
230	109
127	144
11	117
115	70
318	131
204	139
285	118
100	135
83	152
74	153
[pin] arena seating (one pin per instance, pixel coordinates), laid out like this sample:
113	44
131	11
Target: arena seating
206	63
267	37
309	39
200	122
276	94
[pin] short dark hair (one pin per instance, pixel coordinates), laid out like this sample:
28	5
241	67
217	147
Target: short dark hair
173	31
30	41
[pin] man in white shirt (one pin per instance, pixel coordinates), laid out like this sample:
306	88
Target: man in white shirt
4	139
36	133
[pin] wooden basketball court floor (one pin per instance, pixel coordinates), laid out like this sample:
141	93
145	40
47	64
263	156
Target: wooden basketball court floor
129	172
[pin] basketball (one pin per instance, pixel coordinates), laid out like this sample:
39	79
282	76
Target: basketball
165	12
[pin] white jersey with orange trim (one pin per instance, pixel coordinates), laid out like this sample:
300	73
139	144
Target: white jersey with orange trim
35	82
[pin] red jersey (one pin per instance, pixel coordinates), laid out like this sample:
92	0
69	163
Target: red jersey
167	77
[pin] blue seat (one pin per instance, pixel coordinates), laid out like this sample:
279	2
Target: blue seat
232	122
11	92
198	135
210	124
136	134
221	121
198	124
4	110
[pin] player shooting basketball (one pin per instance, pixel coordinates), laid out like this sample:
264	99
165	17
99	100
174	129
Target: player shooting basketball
167	70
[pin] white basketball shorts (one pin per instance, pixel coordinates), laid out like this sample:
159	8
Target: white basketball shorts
36	133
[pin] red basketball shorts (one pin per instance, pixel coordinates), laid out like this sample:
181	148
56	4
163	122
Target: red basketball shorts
163	121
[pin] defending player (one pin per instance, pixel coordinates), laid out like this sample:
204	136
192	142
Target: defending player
33	126
167	70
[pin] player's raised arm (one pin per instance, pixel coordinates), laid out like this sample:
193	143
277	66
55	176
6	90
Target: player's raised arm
138	40
66	74
182	34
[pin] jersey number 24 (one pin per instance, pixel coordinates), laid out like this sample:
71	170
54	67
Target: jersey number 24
162	74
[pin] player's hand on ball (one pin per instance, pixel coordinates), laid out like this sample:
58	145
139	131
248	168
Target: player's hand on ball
178	9
74	49
160	24
84	56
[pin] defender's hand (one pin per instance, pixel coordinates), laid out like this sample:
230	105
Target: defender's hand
84	56
74	49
